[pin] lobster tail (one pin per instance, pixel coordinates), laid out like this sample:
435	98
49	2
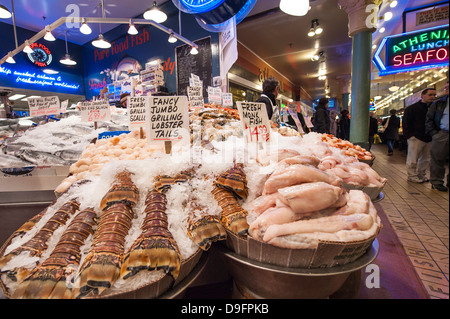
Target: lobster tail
205	231
155	248
122	191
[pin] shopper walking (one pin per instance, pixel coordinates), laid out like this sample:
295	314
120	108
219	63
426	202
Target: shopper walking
392	124
344	125
437	126
322	117
373	129
271	88
419	142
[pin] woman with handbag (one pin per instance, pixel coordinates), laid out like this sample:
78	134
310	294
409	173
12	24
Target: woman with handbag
390	128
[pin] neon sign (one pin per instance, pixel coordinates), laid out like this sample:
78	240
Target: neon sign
41	56
416	50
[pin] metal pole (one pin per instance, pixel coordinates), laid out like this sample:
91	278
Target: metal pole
14	22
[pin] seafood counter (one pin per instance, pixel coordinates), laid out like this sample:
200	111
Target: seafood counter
130	217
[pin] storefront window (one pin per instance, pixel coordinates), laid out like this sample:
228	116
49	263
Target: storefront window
241	93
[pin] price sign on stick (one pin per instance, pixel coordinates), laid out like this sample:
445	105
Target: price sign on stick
195	94
136	111
95	111
167	119
254	121
293	113
47	105
227	99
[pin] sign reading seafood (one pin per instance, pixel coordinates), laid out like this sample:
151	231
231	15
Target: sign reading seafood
167	118
254	121
47	105
136	111
95	111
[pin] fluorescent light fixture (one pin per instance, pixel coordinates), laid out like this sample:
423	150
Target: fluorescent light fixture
31	97
85	29
15	97
388	16
4	12
67	60
132	29
27	48
194	51
295	7
101	43
394	88
49	36
155	14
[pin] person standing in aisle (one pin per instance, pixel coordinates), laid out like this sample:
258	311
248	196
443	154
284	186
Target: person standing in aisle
418	159
344	125
436	125
392	124
373	129
322	117
271	88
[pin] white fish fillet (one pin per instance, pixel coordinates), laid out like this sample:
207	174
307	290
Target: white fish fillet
310	197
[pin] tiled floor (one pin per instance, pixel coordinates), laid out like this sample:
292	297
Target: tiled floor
420	217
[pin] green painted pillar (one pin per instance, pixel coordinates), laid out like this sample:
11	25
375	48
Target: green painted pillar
361	65
345	101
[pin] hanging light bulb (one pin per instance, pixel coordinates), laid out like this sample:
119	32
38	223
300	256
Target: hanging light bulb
393	4
311	32
172	38
67	60
101	43
194	51
318	30
388	16
132	29
155	14
27	48
85	29
49	36
10	59
295	7
4	12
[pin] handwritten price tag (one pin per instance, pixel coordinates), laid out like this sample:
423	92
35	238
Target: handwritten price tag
255	121
95	111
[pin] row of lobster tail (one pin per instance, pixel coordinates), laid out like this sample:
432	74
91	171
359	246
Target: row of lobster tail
49	280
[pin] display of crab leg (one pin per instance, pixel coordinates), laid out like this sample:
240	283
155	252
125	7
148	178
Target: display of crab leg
39	243
101	267
233	216
155	248
205	230
48	280
123	190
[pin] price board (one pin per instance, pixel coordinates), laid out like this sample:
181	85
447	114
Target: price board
48	105
254	121
95	111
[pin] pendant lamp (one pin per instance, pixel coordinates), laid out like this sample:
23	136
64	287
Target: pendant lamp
295	7
155	14
4	12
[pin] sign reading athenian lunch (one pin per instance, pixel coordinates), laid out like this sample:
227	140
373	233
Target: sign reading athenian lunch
47	105
167	118
254	121
195	94
137	110
95	111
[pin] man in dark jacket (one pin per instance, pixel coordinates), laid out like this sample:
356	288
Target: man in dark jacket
391	131
373	129
271	88
436	125
322	117
418	159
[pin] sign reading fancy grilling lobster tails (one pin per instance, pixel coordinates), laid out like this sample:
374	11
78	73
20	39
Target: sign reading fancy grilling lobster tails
416	50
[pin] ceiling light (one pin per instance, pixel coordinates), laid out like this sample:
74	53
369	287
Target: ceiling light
10	59
194	51
155	14
50	71
378	97
67	60
322	77
394	88
4	12
16	97
27	48
85	29
311	32
172	38
374	47
132	29
101	43
295	7
49	36
388	16
319	29
382	30
393	4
